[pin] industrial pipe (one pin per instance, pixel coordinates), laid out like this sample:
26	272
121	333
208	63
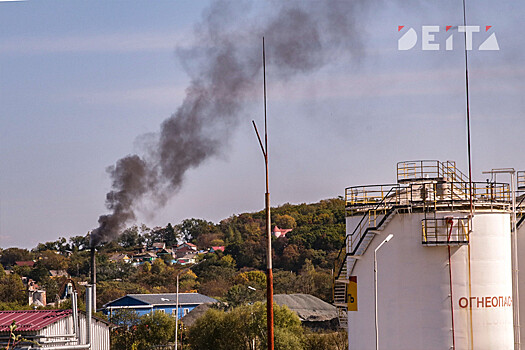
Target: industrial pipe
89	297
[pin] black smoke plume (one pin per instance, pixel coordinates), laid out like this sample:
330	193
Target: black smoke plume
224	64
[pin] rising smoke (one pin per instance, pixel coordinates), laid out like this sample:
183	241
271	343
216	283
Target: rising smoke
224	64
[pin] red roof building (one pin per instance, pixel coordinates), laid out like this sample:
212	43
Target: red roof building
280	232
30	320
52	328
184	249
217	249
29	263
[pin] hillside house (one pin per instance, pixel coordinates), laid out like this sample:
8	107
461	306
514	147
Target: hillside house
158	246
141	258
145	303
217	249
189	258
58	273
120	257
184	248
280	232
29	263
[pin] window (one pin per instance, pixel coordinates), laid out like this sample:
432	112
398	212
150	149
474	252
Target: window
185	311
174	312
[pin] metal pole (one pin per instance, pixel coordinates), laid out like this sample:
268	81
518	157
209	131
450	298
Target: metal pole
269	279
93	279
177	316
388	238
269	272
89	300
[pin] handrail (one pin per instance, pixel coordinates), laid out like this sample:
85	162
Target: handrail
361	198
366	195
422	169
367	214
436	230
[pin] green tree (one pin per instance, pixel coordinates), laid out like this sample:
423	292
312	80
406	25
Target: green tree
51	287
285	221
191	229
78	243
11	255
241	294
12	289
156	328
244	326
158	267
52	260
123	337
60	245
326	341
131	238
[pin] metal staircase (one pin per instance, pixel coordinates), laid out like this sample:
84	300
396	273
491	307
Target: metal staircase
372	223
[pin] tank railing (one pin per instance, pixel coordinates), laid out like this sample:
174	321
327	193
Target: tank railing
371	217
445	231
390	197
451	173
376	200
419	169
429	169
367	195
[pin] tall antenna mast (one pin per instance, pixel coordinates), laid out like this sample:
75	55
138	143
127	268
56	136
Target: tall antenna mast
468	109
269	277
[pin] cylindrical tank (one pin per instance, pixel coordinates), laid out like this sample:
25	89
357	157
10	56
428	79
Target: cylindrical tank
428	299
445	279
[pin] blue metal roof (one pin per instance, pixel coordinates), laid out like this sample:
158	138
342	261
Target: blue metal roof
161	299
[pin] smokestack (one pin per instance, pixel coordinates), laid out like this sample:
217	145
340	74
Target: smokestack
93	280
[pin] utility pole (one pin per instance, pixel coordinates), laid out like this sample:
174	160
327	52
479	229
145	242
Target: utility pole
269	273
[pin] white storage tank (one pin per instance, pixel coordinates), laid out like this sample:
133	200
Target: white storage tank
444	281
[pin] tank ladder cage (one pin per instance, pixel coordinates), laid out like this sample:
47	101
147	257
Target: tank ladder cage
520	209
445	231
521	179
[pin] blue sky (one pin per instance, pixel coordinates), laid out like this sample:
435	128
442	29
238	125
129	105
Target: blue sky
80	82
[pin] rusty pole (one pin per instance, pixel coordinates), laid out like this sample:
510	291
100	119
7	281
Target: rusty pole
93	280
269	273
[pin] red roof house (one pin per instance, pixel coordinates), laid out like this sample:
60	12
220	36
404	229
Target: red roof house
280	232
184	249
217	249
29	263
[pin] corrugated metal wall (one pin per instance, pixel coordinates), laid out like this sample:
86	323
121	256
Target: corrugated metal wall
99	332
